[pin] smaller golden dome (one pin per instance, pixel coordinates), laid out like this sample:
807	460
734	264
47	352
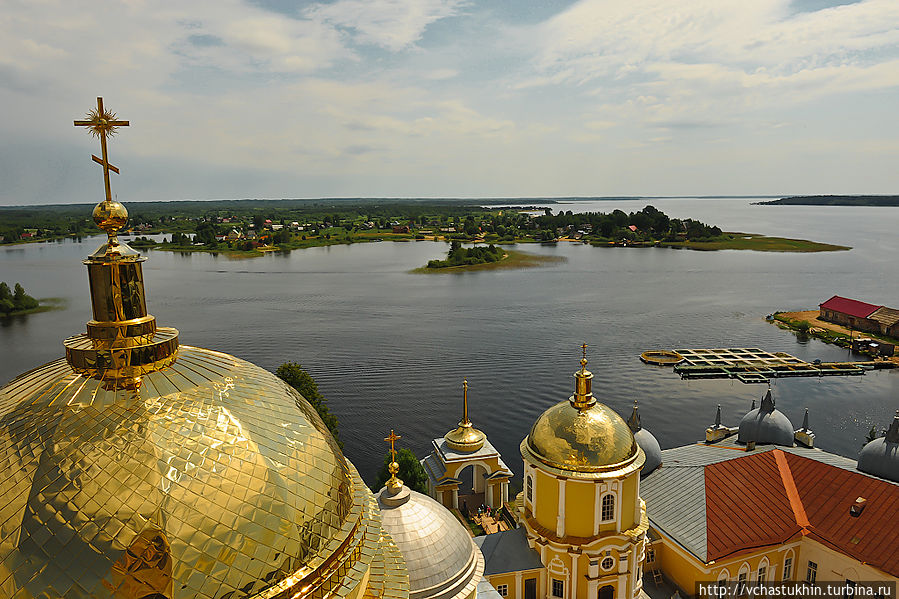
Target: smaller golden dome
110	216
465	438
595	439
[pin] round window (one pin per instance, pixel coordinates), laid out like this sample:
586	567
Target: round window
607	563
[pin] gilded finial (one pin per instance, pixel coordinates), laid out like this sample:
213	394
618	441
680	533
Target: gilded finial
583	395
394	484
465	420
122	342
109	215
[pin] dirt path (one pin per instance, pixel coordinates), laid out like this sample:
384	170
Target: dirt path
811	317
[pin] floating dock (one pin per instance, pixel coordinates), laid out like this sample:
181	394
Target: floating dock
750	364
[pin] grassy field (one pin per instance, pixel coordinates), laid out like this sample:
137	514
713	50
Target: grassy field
511	259
759	243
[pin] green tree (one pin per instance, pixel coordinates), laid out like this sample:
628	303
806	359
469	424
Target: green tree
4	292
411	471
294	375
21	300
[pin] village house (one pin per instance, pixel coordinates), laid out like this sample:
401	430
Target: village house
861	316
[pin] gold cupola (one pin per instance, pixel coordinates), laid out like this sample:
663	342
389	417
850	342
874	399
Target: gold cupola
139	468
581	434
465	437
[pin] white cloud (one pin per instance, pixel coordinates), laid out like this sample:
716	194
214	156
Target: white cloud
718	46
391	24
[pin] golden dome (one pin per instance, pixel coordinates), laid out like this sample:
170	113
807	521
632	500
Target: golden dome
211	477
581	435
465	437
592	440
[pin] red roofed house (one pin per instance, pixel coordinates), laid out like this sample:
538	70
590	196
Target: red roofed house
850	313
724	512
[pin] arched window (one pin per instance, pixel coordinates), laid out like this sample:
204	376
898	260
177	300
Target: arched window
788	566
608	507
530	488
607	592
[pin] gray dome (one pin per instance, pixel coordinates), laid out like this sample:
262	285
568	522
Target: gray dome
646	441
880	457
766	425
443	561
651	448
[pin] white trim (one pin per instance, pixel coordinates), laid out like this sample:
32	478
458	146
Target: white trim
597	494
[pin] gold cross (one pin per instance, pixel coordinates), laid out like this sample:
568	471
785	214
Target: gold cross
584	349
102	123
393	437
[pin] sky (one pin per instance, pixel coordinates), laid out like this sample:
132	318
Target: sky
450	98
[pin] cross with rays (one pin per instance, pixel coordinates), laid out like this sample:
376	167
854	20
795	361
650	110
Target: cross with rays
102	123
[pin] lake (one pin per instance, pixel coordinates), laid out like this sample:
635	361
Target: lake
389	349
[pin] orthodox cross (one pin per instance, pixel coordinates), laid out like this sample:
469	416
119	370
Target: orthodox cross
393	437
584	349
102	123
393	483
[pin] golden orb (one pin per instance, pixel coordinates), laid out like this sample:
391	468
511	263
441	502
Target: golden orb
110	216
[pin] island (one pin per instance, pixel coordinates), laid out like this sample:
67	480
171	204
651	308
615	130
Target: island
490	257
835	200
17	302
754	241
251	228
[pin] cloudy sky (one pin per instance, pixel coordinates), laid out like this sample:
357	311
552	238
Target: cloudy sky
450	98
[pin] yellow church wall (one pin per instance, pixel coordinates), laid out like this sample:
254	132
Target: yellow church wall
546	499
630	505
454	469
579	508
833	565
680	569
512	580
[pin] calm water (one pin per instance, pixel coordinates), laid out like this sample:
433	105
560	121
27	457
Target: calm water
390	349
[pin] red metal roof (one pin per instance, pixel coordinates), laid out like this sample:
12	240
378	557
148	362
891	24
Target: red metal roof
766	498
849	306
746	505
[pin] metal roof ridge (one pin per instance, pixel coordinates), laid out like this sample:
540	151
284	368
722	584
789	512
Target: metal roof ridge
786	476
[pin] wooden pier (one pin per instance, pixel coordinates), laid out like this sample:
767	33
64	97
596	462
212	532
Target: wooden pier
753	365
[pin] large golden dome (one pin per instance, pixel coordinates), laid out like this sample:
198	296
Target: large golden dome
212	477
581	435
